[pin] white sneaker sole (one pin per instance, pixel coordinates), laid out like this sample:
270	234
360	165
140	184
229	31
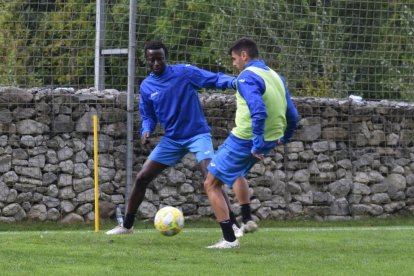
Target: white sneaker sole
120	230
223	244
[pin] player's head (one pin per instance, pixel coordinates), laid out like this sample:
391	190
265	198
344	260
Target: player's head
156	56
242	51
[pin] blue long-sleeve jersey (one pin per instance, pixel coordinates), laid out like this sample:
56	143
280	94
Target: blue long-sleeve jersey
172	100
251	89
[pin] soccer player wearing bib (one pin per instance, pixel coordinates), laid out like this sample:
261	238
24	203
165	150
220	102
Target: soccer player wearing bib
265	118
169	96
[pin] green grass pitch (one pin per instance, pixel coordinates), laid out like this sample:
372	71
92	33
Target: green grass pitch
375	247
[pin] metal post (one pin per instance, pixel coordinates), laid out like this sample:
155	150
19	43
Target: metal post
99	40
130	99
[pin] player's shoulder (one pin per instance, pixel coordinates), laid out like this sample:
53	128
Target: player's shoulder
187	70
247	75
183	66
145	85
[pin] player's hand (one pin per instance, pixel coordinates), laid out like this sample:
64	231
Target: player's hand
145	138
258	155
280	142
258	144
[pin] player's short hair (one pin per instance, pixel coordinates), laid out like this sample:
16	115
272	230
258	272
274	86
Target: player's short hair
155	45
245	44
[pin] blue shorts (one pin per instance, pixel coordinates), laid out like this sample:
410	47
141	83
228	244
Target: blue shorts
169	152
229	164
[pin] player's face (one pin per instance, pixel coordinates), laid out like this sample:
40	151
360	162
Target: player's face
156	60
238	60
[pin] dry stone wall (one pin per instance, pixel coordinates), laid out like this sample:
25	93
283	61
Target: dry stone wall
347	159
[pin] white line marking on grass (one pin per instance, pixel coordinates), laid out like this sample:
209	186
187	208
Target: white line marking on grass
204	230
317	229
350	228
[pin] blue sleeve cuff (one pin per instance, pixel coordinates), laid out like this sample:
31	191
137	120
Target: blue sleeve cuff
258	143
234	83
143	130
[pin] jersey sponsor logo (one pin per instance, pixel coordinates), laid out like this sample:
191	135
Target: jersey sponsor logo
241	80
207	152
212	164
154	94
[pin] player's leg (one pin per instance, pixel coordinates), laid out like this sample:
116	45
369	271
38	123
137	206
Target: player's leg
236	227
202	147
230	165
213	188
164	155
148	172
241	190
222	171
204	171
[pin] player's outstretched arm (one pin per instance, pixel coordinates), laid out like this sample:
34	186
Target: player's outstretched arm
201	78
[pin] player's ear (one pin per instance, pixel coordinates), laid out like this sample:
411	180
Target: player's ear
244	55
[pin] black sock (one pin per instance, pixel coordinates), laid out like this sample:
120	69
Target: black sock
233	219
246	212
129	221
228	233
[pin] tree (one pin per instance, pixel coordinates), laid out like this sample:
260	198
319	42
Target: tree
322	47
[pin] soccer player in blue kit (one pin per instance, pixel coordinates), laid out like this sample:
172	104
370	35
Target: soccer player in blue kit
265	117
169	96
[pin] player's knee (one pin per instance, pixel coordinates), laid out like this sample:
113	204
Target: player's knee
210	184
143	179
207	185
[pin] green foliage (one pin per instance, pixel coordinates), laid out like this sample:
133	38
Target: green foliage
323	48
378	48
14	56
316	88
63	45
52	44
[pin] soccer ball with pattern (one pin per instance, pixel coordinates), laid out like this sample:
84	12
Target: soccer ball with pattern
169	221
